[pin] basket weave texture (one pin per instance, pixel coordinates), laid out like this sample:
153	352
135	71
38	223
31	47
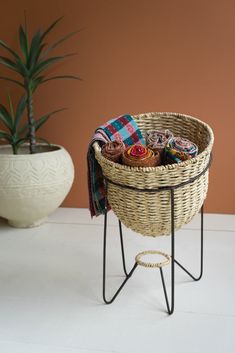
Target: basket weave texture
150	213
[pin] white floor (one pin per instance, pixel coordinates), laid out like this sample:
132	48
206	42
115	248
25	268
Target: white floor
51	290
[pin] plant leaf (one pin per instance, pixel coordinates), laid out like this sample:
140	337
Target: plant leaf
40	121
9	63
11	107
39	53
5	136
45	64
35	82
53	46
11	80
44	118
5	117
35	49
20	142
23	43
21	67
5	122
19	111
61	77
5	46
69	35
51	27
23	129
61	57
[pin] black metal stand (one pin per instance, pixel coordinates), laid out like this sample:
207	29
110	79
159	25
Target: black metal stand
170	308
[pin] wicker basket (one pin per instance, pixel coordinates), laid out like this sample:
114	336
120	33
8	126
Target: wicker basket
150	213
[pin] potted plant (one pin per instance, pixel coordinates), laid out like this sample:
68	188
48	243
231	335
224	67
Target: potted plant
35	176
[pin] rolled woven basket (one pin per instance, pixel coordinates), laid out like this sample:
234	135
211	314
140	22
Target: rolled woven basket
150	213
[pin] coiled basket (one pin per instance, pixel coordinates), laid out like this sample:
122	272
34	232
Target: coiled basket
140	196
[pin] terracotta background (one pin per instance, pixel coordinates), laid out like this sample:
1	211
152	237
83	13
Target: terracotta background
137	56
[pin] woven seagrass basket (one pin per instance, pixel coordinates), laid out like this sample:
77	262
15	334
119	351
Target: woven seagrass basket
149	213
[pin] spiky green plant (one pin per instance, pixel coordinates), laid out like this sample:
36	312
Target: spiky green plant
11	121
16	133
31	66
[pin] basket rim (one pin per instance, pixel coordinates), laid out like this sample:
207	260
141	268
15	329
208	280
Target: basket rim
174	166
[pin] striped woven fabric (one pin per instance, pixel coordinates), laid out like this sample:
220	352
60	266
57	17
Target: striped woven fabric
157	139
180	149
122	128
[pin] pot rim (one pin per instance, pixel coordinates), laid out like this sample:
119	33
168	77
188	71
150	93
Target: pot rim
54	149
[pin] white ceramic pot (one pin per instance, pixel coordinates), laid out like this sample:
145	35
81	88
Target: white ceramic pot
33	185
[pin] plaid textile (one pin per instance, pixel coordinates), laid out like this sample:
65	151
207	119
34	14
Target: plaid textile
122	128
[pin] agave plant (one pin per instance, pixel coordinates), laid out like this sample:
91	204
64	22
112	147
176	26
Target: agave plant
31	66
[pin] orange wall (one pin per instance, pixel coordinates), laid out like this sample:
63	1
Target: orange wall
138	56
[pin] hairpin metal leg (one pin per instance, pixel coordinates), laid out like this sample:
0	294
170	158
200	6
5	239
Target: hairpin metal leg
201	260
173	260
122	248
128	275
171	309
